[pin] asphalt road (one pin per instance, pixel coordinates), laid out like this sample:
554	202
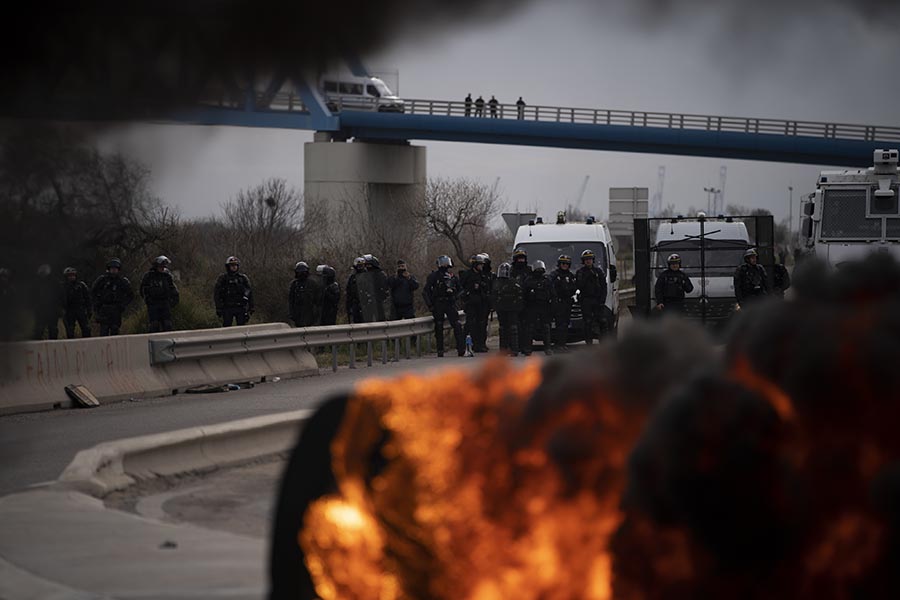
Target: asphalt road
36	447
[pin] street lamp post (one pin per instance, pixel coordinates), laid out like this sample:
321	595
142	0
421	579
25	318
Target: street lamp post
791	215
710	192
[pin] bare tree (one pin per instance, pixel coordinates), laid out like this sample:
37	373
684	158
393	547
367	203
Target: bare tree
457	208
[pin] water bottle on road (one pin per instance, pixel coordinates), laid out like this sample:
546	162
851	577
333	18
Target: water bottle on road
469	350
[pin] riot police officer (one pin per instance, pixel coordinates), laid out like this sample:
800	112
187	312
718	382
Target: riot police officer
160	294
538	307
354	311
77	304
304	297
233	294
47	304
519	270
591	295
111	293
781	279
440	293
475	295
750	280
509	301
373	291
564	288
331	294
671	286
402	285
489	279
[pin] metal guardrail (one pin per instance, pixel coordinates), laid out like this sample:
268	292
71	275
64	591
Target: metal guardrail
223	343
291	102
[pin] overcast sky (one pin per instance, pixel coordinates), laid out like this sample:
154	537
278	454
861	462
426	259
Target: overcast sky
815	62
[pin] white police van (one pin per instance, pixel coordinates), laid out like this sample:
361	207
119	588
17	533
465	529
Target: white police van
547	241
347	91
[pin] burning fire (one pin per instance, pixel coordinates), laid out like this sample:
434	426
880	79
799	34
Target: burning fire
652	468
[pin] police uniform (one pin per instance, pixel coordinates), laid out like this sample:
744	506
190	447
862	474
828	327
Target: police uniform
160	294
305	301
77	308
475	302
509	302
331	297
670	288
564	287
592	297
538	309
111	294
750	283
440	293
233	297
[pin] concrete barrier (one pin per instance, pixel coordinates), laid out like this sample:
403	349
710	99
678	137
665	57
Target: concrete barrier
115	465
33	375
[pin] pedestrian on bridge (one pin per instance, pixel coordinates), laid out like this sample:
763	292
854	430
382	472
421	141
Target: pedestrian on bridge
160	294
493	104
111	293
468	102
479	107
520	108
233	294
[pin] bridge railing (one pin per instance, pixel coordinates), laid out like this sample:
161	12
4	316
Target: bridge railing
291	102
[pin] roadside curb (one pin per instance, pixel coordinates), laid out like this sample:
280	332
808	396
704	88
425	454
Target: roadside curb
118	464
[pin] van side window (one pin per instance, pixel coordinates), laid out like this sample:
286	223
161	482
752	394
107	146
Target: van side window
331	86
372	91
352	88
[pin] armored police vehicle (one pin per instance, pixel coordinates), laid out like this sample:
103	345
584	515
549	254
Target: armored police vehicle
854	212
546	242
710	248
347	91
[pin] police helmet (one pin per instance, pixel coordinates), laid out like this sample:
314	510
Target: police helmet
587	254
444	262
162	261
564	259
520	253
326	271
69	271
359	263
673	258
477	259
301	267
43	270
539	267
503	271
114	263
373	261
750	252
233	260
487	257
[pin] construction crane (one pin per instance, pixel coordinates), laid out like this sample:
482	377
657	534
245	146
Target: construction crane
720	196
577	204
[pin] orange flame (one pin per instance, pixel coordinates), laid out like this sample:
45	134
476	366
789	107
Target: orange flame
463	508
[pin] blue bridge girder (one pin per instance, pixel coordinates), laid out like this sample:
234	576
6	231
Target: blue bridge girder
770	140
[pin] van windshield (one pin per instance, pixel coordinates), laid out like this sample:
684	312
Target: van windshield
550	251
722	256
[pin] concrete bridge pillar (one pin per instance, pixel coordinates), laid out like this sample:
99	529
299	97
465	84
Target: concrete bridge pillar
365	189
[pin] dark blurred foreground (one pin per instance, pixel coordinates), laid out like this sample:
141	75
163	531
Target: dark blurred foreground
769	470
